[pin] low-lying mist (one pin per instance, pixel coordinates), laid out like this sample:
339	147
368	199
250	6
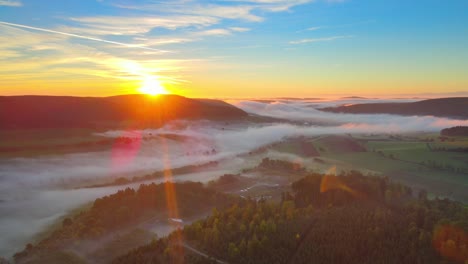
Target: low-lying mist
35	192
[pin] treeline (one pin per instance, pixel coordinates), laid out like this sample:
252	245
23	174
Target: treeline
127	208
349	218
456	149
281	165
458	131
156	175
433	164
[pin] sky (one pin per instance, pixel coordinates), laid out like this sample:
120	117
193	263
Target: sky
234	48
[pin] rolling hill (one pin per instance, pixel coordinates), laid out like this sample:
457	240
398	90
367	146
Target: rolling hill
30	112
458	131
455	107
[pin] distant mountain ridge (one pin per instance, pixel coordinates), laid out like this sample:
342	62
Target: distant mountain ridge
30	112
454	107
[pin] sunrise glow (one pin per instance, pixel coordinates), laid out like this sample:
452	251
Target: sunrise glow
153	87
271	48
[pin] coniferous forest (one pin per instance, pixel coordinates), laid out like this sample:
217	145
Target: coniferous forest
349	218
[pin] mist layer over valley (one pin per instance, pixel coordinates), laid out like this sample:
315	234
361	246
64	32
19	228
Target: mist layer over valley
36	191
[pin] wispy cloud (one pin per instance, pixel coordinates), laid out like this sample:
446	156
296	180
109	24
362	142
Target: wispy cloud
239	29
43	55
11	3
220	31
122	46
77	36
274	5
313	40
134	25
214	32
314	28
191	36
167	41
241	12
194	17
246	10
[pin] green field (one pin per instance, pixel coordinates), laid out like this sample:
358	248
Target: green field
298	146
410	158
420	152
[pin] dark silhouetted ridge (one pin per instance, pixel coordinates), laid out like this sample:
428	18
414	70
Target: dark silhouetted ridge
455	107
458	131
26	112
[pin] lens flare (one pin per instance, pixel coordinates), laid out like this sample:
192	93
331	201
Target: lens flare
171	200
125	149
451	242
331	182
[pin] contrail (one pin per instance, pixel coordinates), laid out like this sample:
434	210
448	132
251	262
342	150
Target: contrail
82	37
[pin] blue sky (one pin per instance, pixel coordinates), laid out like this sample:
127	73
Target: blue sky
234	48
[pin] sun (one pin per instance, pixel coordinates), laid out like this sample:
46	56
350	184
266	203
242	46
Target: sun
152	87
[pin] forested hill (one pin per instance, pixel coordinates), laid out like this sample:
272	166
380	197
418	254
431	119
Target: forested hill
25	112
327	219
117	213
456	107
458	131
